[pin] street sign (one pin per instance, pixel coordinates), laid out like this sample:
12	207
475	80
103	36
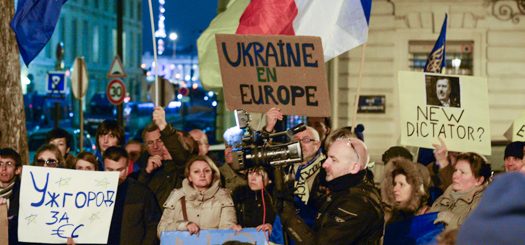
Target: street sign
184	91
116	91
166	92
116	70
79	75
56	83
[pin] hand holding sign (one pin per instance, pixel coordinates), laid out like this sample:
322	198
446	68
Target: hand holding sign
159	117
272	116
193	228
440	153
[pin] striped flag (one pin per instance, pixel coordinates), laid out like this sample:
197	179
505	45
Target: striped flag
341	24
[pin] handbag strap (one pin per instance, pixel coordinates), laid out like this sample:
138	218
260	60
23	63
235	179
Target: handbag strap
183	204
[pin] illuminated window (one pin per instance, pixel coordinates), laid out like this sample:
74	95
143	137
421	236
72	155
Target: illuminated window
459	56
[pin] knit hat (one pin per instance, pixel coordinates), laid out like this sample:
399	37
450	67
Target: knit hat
500	215
514	149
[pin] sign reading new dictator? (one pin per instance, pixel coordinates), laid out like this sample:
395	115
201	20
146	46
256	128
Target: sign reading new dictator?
454	108
59	203
261	72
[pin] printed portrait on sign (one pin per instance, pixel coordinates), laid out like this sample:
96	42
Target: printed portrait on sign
443	91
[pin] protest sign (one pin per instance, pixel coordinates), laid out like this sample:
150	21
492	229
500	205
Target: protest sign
261	72
4	238
248	235
516	131
454	108
59	203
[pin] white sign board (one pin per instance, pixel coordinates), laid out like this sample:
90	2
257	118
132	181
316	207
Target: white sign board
453	108
59	203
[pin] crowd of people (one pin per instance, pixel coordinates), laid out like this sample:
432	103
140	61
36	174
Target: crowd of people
169	182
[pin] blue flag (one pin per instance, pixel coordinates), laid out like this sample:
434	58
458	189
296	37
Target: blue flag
415	230
436	58
33	24
435	62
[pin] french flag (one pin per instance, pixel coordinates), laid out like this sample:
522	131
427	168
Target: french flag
341	24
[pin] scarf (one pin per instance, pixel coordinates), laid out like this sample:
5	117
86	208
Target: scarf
302	190
5	192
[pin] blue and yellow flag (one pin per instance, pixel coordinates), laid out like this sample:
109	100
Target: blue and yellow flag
33	24
436	58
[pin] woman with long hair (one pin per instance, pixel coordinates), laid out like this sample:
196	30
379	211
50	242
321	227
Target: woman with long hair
201	203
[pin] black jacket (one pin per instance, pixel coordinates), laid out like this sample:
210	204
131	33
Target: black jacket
136	215
250	209
171	174
351	214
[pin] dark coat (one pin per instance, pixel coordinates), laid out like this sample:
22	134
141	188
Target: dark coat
250	209
12	212
171	174
136	215
351	214
417	175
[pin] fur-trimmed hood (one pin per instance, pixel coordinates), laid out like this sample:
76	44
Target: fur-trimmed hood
415	171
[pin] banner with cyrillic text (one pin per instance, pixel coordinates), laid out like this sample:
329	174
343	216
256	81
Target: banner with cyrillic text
246	235
454	108
59	203
260	72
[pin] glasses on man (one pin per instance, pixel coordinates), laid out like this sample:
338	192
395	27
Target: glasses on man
7	164
53	163
152	142
306	140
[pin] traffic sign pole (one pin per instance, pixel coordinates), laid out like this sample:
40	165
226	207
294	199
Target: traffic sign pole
80	105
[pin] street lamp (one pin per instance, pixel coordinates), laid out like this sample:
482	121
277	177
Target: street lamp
173	37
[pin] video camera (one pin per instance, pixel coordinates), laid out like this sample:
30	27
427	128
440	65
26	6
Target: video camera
255	148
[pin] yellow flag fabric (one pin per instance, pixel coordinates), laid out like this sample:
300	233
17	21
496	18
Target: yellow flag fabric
226	23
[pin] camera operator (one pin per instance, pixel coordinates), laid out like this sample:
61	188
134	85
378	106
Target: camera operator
304	173
351	213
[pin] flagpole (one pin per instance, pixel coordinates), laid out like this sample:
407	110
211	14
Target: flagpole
358	91
154	54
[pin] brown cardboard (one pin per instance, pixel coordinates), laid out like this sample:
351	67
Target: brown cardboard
297	86
4	239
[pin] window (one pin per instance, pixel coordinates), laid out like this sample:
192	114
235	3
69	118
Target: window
74	38
459	56
96	42
85	49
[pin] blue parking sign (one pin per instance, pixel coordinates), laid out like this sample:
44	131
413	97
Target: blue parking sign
56	82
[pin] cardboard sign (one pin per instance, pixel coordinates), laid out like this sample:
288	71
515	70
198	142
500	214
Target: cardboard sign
454	108
247	235
516	131
261	72
4	223
59	203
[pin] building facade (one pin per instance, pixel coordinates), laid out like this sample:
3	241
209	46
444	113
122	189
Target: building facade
88	28
488	35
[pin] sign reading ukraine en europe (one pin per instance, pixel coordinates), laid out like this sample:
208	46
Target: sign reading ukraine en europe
454	108
59	203
261	72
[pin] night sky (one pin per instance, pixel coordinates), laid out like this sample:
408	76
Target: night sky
188	18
